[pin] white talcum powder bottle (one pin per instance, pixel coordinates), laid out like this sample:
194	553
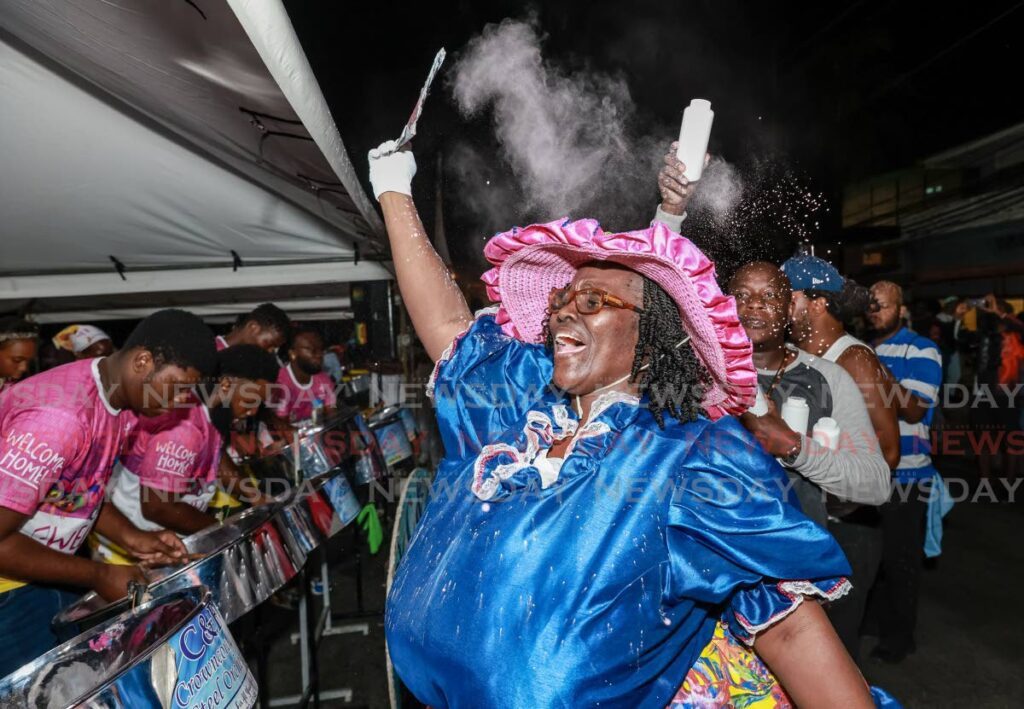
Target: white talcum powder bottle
694	135
826	432
796	413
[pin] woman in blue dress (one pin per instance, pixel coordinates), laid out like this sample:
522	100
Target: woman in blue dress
600	512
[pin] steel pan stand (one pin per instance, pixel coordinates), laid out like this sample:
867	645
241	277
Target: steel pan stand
356	562
308	639
326	616
311	632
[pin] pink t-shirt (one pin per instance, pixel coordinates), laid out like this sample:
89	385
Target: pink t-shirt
292	400
177	453
59	439
221	343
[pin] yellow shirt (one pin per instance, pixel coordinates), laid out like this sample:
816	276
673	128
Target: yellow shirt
9	585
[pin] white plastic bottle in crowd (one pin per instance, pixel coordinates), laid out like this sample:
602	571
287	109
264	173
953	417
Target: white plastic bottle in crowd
826	432
694	134
760	407
796	414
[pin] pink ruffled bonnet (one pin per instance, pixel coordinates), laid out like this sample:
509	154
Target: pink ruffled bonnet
530	261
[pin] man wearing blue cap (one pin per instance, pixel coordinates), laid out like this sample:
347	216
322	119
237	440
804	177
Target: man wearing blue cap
822	300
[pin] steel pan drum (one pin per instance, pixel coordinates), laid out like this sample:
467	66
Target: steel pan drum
307	519
244	561
171	651
392	437
321	448
356	390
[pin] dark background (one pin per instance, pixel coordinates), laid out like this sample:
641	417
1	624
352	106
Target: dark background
830	92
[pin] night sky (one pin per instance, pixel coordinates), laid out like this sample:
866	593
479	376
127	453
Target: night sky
831	92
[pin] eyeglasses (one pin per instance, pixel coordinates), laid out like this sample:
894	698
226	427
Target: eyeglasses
588	300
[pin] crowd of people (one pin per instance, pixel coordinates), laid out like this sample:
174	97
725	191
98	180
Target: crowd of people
108	459
610	360
797	317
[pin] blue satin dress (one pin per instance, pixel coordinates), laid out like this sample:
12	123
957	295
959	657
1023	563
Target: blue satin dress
598	587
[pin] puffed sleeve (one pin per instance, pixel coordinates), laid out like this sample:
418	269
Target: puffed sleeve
483	384
735	539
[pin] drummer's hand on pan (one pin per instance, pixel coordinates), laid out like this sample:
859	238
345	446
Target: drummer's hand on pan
675	189
112	580
391	170
282	433
281	439
156	548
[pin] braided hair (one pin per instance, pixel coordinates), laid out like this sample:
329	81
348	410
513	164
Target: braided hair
675	380
14	328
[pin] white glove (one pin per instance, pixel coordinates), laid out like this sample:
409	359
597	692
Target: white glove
391	171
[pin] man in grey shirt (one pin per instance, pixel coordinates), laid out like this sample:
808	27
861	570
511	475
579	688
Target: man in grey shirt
855	470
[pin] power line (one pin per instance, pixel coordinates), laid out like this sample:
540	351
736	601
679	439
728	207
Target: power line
928	62
825	28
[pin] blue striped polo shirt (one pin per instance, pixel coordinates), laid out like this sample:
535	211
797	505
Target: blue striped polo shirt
916	363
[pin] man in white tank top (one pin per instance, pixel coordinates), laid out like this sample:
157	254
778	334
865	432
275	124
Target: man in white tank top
822	299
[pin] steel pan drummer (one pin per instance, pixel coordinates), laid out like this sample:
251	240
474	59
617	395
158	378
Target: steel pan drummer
302	385
174	463
266	327
60	432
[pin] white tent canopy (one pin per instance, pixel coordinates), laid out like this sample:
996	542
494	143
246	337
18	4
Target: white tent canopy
149	152
298	309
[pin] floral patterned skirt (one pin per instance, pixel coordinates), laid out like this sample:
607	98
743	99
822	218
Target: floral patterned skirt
729	674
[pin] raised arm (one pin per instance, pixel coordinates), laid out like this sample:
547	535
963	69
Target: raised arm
1010	321
438	310
1013	323
675	190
